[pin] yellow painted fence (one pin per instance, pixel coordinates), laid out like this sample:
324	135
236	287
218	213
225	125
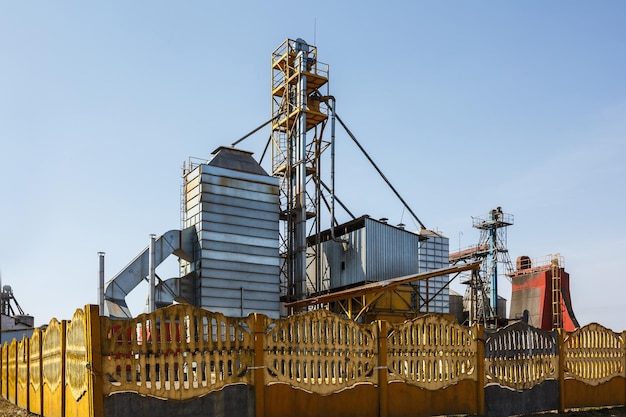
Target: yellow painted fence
51	373
310	364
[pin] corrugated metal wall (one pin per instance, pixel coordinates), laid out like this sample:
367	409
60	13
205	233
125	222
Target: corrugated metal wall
374	252
391	252
236	215
434	254
378	251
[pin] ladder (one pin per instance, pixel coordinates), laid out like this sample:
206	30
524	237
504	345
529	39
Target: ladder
557	314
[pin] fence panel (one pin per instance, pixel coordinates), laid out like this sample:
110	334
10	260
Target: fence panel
521	370
178	352
320	352
53	365
77	396
321	359
12	372
5	369
35	383
23	352
594	367
433	360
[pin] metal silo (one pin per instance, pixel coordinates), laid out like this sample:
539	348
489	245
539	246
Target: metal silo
434	254
233	204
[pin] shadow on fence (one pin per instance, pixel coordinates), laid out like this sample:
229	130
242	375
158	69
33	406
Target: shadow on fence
183	360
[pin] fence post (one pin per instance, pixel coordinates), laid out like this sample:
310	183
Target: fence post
15	370
624	363
2	380
40	368
561	353
382	369
94	360
63	365
480	369
259	362
26	341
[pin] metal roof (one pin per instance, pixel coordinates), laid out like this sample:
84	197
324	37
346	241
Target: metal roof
353	225
235	159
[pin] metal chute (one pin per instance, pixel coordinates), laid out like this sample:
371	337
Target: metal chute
173	242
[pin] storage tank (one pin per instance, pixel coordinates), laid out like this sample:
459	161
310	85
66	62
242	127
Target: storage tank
233	204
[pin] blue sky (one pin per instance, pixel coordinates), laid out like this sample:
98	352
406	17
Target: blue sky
465	106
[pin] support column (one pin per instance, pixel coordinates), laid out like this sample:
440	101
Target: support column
101	282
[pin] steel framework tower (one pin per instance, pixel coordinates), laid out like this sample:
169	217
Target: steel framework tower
299	114
492	236
482	293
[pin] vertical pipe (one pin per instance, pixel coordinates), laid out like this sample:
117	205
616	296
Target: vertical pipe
300	183
101	282
493	257
332	186
152	274
332	167
474	282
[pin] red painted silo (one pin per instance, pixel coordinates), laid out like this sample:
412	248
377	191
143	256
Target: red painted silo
533	290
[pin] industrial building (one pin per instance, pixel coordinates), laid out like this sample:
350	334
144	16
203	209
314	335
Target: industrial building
267	240
14	323
257	242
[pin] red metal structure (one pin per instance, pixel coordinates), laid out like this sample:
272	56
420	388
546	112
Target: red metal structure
541	296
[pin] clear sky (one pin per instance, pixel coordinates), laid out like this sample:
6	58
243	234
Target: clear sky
464	105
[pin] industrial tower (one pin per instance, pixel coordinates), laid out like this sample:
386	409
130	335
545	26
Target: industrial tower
482	292
300	110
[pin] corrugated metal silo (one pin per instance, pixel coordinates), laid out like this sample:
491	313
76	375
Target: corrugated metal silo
434	254
233	203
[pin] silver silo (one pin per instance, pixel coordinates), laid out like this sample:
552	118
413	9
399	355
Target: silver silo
233	204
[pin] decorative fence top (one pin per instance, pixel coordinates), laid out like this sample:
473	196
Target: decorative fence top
519	356
594	354
176	352
432	352
320	352
181	352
